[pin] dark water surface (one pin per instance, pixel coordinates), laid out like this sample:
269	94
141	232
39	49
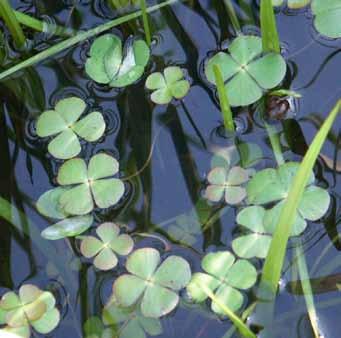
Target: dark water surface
174	180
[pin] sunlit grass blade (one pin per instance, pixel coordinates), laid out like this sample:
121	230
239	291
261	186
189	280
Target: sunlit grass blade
270	39
41	26
275	143
79	38
241	326
146	26
224	103
307	290
7	13
275	258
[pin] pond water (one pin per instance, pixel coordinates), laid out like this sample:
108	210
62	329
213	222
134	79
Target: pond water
177	141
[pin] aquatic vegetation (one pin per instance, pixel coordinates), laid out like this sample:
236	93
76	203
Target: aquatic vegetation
225	276
109	64
186	228
105	248
89	185
294	4
272	185
246	72
64	122
227	184
170	84
31	307
327	17
156	284
260	225
134	323
49	206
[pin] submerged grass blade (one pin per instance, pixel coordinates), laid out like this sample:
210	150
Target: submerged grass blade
241	326
275	258
79	38
307	290
7	13
232	15
224	103
270	39
145	21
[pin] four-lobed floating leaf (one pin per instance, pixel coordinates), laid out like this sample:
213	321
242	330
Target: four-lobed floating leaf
273	185
294	4
133	323
105	248
63	123
227	184
246	71
167	85
89	185
186	228
48	205
327	15
109	64
260	226
156	284
224	275
32	307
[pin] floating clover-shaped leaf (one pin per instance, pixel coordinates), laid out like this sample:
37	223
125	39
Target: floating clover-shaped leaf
32	307
94	328
245	155
294	4
105	249
90	184
224	276
156	286
186	228
261	226
134	323
167	85
63	122
327	17
228	184
246	71
107	66
48	205
272	185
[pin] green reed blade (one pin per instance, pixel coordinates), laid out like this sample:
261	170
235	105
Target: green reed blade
40	26
79	38
307	290
240	325
145	21
270	39
224	103
12	23
275	258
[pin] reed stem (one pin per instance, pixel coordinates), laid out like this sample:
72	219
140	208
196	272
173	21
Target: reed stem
224	103
7	13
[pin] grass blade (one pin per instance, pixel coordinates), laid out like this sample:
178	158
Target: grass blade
270	39
232	15
241	326
79	38
145	21
275	258
224	103
307	290
12	23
